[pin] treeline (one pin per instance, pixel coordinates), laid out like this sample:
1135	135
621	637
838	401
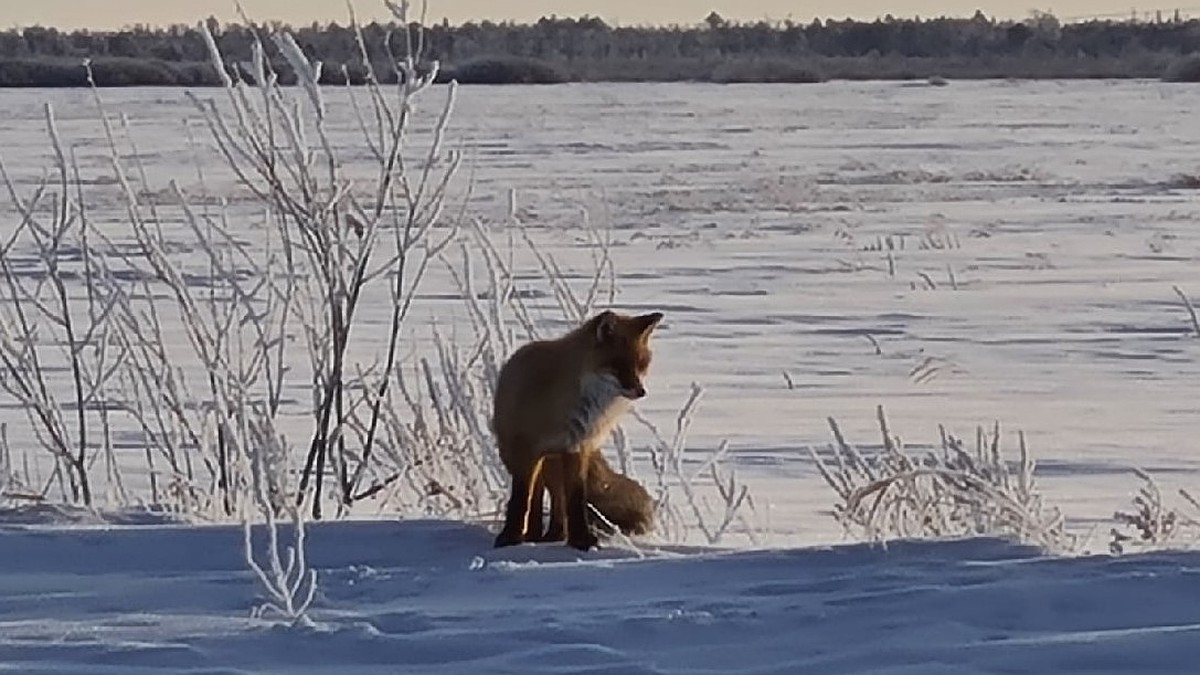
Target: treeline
555	49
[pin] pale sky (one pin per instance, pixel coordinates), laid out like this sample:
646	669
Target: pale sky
107	14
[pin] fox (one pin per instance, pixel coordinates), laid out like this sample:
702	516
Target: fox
555	403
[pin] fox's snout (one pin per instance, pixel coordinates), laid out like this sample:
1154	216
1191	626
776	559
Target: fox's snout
634	393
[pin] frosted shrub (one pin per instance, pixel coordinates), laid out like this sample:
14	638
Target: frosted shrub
894	493
285	578
188	334
339	240
42	328
1153	524
14	487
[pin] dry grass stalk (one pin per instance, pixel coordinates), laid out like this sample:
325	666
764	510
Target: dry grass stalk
1187	302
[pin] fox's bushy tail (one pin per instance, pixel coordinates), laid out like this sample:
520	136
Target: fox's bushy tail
619	498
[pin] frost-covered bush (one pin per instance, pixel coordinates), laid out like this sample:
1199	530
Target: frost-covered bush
13	486
890	492
286	580
189	337
1153	524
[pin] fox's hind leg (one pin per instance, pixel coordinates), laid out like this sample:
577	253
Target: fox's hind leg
519	515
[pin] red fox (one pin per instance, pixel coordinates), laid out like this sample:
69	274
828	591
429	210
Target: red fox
556	402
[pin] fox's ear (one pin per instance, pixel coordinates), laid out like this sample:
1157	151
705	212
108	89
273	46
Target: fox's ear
647	322
606	325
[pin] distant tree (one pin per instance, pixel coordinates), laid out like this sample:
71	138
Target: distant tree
588	47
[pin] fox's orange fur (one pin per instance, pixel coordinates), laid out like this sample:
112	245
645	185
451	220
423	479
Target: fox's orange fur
621	500
558	400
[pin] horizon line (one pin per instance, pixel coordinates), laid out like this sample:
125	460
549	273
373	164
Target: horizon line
773	21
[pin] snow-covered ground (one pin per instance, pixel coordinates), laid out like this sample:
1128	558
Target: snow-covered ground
1010	247
432	597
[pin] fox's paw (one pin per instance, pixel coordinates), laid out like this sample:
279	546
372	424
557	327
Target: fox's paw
584	542
508	538
553	533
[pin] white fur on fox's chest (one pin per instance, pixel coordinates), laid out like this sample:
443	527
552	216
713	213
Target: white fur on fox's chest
595	413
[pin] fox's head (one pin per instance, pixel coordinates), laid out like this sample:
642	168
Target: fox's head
622	347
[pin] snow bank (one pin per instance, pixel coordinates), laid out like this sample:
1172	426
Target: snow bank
433	597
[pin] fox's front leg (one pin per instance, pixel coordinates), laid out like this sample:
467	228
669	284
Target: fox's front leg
519	515
565	469
552	476
534	526
554	479
574	471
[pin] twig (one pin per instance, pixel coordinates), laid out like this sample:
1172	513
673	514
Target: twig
1190	308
